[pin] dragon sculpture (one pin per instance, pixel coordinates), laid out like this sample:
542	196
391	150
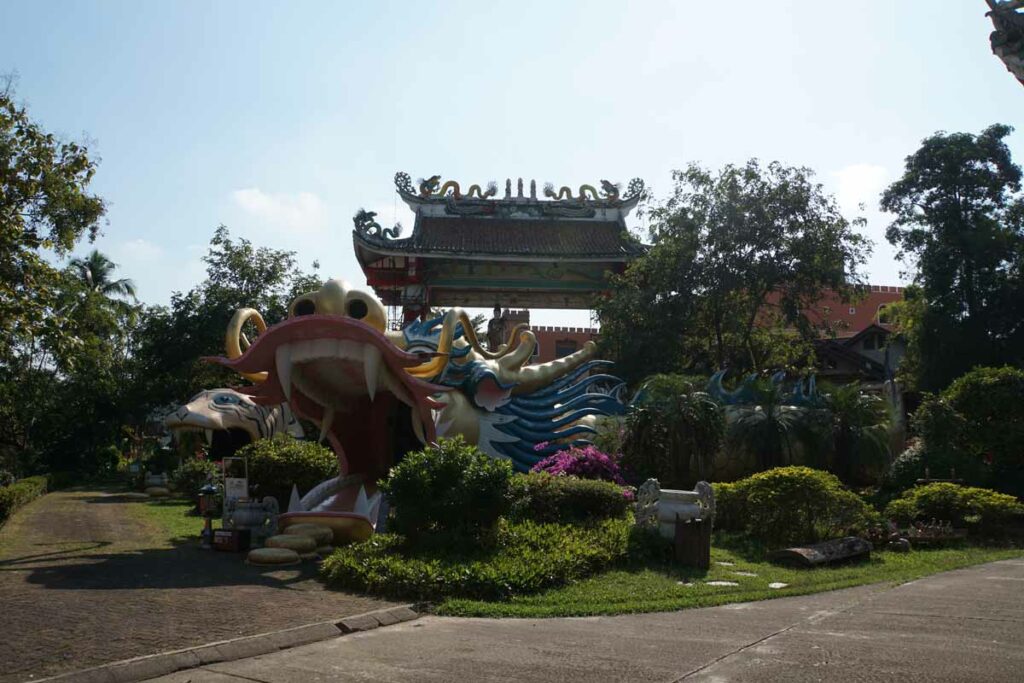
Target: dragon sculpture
366	224
432	187
1007	39
230	419
377	394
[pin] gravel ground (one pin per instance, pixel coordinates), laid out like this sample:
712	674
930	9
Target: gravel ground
84	582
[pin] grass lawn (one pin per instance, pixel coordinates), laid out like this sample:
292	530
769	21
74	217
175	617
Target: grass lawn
172	516
649	590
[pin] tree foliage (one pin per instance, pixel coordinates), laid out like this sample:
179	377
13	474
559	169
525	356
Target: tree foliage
736	259
172	339
960	218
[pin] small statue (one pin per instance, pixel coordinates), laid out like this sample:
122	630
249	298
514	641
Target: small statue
497	329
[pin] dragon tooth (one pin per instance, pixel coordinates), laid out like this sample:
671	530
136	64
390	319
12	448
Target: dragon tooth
371	368
283	362
417	427
325	422
362	505
209	436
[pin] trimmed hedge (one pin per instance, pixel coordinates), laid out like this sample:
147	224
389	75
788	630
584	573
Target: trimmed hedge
19	493
545	498
987	511
527	557
791	505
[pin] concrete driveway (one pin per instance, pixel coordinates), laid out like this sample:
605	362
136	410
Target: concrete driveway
965	625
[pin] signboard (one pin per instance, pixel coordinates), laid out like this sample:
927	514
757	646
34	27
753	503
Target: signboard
236	480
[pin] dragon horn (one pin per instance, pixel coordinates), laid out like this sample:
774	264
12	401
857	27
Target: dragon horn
532	377
235	339
436	365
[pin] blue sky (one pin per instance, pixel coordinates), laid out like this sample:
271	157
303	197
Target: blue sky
280	120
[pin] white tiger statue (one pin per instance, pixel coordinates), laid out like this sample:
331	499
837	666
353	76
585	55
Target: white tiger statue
220	413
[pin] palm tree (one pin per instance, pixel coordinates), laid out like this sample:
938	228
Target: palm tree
769	428
96	273
860	429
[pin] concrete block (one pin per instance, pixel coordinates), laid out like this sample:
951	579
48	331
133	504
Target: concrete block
363	622
403	613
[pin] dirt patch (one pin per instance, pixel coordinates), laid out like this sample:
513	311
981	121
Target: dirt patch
83	582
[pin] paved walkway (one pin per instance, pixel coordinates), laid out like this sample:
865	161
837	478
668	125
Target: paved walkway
966	625
83	582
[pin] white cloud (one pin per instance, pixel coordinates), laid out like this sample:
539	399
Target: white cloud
138	251
301	212
859	184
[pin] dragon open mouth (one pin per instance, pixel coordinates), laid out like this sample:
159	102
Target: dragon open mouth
350	380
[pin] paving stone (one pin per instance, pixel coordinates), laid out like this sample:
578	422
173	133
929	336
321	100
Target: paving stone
726	564
83	604
721	583
743	573
777	585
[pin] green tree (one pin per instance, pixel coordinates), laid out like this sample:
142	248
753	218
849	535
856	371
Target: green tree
736	259
96	272
45	207
960	217
45	332
172	339
860	431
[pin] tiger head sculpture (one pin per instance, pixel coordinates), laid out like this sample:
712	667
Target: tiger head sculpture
230	419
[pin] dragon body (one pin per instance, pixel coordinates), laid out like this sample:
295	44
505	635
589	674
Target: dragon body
432	187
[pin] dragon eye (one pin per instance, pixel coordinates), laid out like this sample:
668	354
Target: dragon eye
305	307
225	399
357	309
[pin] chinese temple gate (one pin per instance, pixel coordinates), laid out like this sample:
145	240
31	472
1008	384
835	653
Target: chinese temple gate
475	249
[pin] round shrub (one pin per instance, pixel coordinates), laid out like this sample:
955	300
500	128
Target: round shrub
277	464
991	404
451	486
542	497
985	510
793	505
191	475
585	463
906	469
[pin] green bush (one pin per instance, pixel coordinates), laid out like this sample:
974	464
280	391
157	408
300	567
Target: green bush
527	557
730	506
19	493
791	505
451	486
277	464
991	403
541	497
191	475
985	510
